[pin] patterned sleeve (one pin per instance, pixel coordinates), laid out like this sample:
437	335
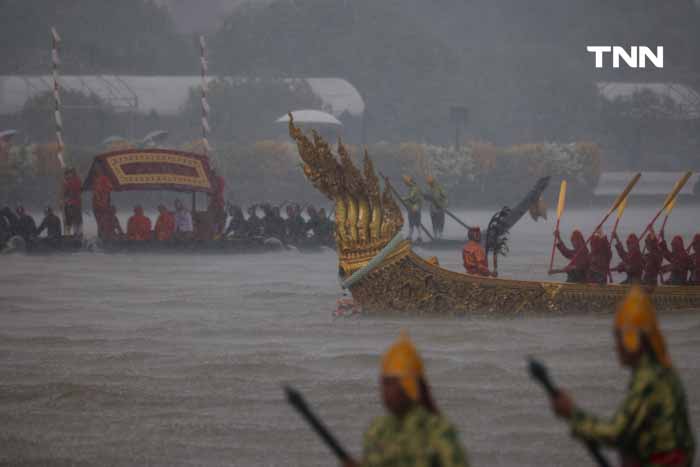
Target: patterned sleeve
371	454
447	447
628	419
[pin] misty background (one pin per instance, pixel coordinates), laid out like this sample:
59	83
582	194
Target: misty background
520	69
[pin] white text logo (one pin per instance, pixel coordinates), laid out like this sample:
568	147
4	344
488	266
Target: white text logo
636	58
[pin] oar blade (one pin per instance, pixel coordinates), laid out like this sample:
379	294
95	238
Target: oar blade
621	207
625	192
562	199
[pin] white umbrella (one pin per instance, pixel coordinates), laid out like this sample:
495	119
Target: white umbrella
156	136
6	135
311	116
113	139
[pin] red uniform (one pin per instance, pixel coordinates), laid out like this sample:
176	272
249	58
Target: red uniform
72	202
632	261
679	259
165	225
652	260
139	226
577	271
101	207
695	261
601	255
474	258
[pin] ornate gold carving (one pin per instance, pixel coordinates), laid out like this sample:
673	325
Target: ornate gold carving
404	282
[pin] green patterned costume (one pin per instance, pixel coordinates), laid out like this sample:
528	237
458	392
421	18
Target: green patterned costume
438	197
414	200
652	423
420	439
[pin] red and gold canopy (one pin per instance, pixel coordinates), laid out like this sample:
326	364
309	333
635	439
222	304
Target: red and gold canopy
152	169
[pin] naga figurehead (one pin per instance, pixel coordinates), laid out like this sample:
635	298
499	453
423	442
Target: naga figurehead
366	219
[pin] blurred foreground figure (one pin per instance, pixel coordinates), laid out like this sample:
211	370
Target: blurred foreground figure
413	433
652	426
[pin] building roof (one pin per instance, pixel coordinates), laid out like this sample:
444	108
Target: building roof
686	100
166	95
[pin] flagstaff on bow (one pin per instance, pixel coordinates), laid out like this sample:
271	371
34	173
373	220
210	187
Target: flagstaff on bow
55	62
205	104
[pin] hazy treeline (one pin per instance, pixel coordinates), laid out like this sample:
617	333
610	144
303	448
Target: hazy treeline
519	67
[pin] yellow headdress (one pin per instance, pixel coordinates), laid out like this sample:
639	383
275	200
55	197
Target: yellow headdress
403	362
408	180
430	179
636	317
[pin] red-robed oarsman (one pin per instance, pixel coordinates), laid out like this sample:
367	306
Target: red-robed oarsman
601	255
474	256
652	260
695	261
679	261
101	204
139	226
632	262
577	270
165	224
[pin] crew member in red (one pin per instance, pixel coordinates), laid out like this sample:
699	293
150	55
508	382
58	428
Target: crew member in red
695	261
679	261
139	226
577	270
217	204
601	255
474	255
101	203
652	260
72	203
632	262
165	224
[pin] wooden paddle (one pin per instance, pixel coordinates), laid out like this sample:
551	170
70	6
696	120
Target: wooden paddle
612	209
538	372
560	211
669	199
297	401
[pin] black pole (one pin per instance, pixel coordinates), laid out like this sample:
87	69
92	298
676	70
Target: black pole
540	374
297	401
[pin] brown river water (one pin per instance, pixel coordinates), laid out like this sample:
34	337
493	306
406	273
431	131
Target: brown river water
179	360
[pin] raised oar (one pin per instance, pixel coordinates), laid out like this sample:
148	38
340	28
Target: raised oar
540	374
297	401
670	198
560	211
612	209
669	208
396	194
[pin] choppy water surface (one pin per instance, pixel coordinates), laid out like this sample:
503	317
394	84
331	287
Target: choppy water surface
179	359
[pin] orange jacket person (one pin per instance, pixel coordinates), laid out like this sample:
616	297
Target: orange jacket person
165	224
139	226
473	254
